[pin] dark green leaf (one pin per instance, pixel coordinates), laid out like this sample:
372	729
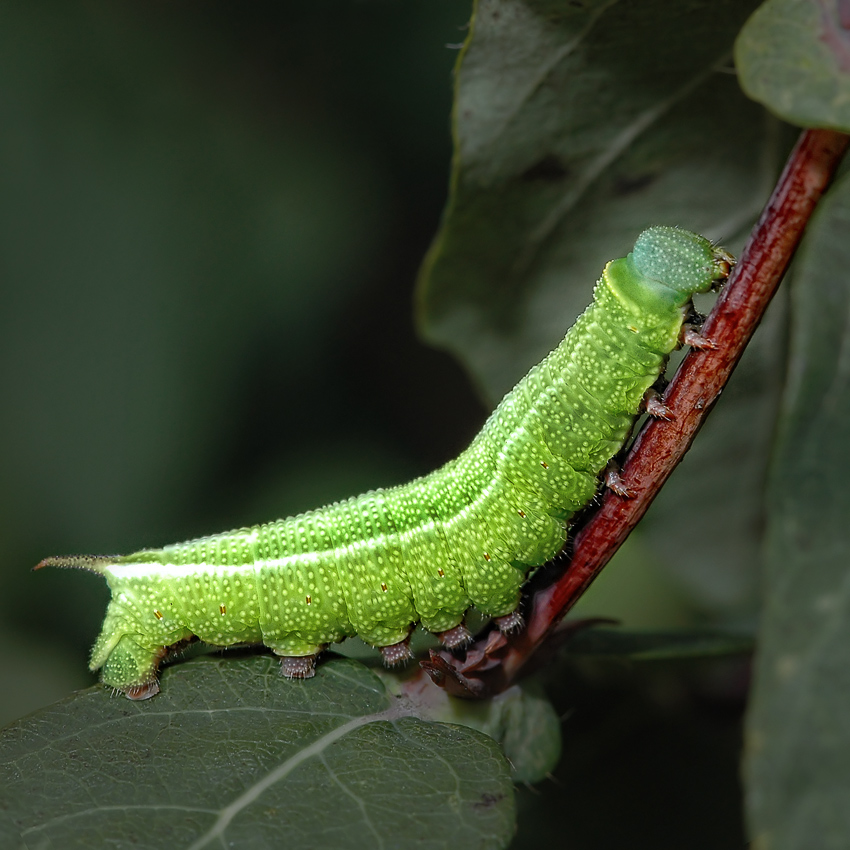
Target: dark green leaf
660	645
794	57
576	126
521	719
798	735
231	755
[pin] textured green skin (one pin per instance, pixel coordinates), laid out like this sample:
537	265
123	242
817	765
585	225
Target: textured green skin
465	535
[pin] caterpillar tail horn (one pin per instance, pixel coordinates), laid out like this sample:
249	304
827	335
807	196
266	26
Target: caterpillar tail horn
92	563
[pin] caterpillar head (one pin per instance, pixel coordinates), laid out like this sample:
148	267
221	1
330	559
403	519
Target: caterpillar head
680	260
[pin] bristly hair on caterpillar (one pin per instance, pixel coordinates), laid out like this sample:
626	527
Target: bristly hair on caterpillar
467	534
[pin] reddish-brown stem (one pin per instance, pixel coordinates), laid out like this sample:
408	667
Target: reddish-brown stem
492	664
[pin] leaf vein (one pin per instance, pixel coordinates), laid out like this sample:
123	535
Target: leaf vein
615	148
314	750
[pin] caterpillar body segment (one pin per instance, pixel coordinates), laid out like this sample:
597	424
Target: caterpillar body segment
467	534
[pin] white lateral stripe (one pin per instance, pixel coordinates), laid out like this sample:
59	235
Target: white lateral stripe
155	570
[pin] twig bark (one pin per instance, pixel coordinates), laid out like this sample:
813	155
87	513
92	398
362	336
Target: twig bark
494	661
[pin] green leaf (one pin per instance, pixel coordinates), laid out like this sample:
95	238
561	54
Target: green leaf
520	718
577	125
794	57
231	755
645	645
798	728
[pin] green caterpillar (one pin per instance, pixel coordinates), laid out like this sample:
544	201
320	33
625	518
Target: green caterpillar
426	551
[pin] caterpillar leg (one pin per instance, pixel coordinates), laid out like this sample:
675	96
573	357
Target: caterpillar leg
655	407
131	668
140	692
455	638
510	623
301	665
397	653
298	666
614	481
693	337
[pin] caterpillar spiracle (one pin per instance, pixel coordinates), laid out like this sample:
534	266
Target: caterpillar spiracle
467	534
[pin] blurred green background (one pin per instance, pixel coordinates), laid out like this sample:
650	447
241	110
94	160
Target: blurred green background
211	218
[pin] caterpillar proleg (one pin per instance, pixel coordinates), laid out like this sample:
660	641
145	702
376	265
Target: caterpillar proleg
467	534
